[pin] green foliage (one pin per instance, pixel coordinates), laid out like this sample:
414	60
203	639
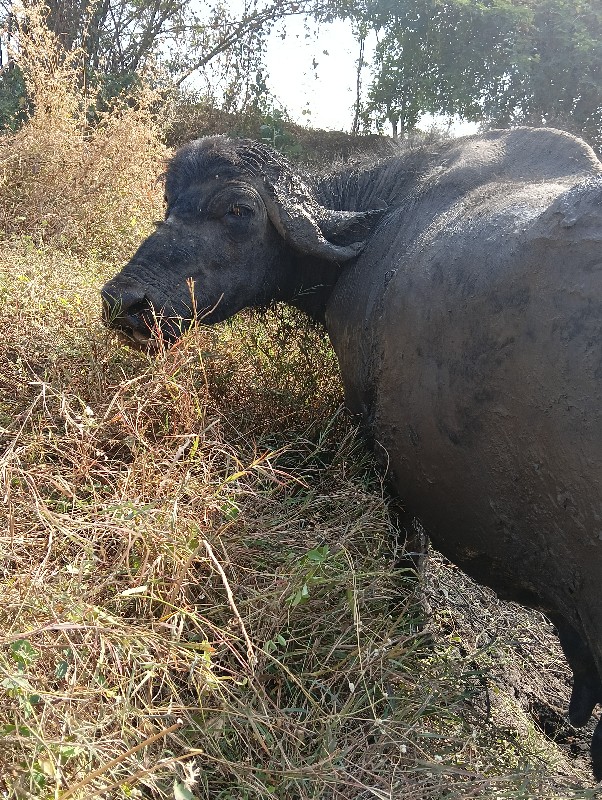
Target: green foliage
313	572
501	61
442	57
554	73
23	653
14	103
273	130
108	86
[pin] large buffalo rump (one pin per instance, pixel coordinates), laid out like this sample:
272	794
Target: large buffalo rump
461	286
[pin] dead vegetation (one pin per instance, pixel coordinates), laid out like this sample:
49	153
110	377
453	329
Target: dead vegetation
199	583
87	188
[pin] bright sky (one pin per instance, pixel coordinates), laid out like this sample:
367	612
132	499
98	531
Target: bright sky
328	90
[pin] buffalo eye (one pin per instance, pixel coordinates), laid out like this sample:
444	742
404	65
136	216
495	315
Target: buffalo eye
238	210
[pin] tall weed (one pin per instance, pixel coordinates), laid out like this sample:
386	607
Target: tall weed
88	188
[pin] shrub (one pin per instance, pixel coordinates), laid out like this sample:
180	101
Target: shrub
83	188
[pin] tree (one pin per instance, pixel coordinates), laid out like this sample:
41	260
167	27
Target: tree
219	43
557	78
504	62
437	56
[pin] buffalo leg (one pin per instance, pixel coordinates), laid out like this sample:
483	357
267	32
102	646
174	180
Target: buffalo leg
587	687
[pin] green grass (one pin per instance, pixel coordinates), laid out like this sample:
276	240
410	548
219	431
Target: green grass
200	591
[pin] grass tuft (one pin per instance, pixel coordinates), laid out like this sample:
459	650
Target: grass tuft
84	182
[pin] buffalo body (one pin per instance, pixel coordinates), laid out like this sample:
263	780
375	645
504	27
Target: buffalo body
461	286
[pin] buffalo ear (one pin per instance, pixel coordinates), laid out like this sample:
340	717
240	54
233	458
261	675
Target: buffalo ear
345	227
314	230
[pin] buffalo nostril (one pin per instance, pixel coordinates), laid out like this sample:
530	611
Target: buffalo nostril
119	307
139	308
121	299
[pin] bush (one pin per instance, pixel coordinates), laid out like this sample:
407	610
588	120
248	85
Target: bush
194	117
86	189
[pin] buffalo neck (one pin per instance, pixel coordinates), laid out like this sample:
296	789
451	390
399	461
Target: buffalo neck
311	283
310	280
388	183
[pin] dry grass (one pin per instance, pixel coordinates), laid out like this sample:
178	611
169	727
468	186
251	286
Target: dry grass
198	582
200	596
89	190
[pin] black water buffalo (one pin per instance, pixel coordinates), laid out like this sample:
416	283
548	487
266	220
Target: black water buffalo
461	286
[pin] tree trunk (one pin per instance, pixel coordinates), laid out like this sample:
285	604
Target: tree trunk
355	128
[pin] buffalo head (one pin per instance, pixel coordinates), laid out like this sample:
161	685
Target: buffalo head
241	229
